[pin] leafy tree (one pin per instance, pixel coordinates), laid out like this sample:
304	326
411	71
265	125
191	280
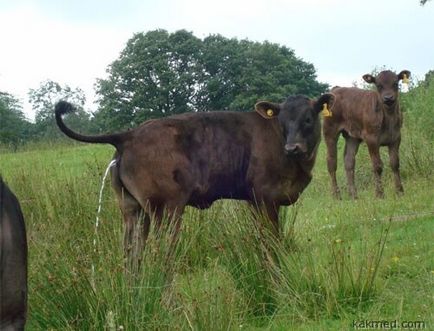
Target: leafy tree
14	128
241	72
272	72
429	78
43	100
157	74
160	74
223	62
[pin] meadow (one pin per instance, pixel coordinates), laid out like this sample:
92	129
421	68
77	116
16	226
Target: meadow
339	262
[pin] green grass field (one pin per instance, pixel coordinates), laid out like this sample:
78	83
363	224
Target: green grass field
339	261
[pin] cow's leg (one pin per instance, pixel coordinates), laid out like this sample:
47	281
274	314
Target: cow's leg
394	164
136	229
170	211
273	215
156	210
331	140
377	166
135	232
136	221
351	148
175	209
270	211
132	214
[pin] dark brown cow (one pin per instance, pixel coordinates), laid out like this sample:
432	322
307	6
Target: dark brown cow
13	262
263	157
370	116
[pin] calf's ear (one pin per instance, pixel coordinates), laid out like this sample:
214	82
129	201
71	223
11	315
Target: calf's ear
267	109
328	99
404	74
369	78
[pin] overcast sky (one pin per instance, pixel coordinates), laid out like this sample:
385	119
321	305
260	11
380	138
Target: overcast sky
73	42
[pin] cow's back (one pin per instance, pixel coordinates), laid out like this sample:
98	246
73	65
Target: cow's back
13	259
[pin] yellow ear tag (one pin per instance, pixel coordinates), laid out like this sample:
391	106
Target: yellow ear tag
405	79
325	111
270	112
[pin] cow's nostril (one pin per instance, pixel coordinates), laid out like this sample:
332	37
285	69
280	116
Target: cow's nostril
292	148
388	98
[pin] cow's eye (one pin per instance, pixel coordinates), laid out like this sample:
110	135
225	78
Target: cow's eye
379	87
308	121
395	85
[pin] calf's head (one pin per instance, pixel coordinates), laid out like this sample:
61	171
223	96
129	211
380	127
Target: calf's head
299	120
387	83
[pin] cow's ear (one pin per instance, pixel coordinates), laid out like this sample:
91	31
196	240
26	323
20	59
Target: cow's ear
327	99
369	79
404	74
267	109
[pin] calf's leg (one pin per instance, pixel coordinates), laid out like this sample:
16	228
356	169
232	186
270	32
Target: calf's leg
269	211
136	221
394	164
272	212
351	148
377	166
175	212
331	143
137	224
172	211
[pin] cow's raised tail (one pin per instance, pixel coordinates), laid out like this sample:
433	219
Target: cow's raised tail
63	107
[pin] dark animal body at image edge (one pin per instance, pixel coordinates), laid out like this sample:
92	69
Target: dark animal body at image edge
13	262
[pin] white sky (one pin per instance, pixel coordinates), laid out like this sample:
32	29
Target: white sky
73	42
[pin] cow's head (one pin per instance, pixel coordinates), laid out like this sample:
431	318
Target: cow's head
299	119
387	83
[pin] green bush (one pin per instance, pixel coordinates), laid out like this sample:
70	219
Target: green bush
418	134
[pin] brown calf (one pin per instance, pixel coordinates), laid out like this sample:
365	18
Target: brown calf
13	262
263	157
370	116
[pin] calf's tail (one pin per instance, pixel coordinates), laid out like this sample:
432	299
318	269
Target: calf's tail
63	107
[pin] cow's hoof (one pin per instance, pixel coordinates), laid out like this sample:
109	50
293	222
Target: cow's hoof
353	194
336	194
400	191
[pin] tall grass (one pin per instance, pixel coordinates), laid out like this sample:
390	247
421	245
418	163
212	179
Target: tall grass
227	270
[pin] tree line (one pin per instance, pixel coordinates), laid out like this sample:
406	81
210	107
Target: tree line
159	74
16	129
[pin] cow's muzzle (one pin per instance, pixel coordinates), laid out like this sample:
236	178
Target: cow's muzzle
295	149
389	100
